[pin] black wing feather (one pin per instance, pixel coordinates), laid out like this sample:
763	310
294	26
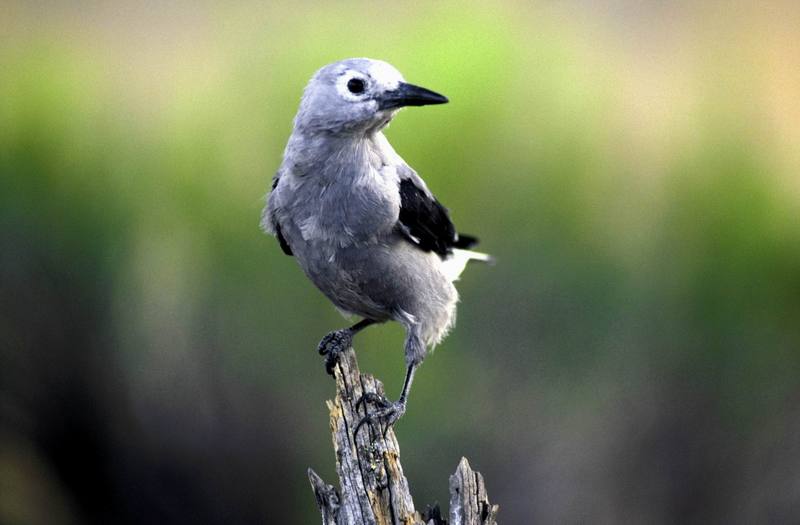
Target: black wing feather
426	223
282	240
465	241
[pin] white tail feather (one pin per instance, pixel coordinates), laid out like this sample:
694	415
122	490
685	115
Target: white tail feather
454	265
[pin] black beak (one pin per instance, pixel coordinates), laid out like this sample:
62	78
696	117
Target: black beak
409	95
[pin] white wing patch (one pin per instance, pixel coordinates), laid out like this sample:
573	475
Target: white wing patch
454	265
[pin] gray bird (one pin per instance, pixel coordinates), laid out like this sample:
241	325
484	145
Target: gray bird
362	224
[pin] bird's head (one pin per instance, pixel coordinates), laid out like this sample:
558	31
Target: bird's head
357	95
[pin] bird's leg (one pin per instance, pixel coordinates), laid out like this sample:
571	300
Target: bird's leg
388	411
338	341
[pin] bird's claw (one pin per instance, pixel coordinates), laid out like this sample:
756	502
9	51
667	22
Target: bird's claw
332	345
374	398
389	411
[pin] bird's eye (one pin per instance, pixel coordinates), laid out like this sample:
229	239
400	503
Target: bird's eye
355	86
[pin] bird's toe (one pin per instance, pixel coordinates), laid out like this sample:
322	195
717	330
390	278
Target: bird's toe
376	399
336	341
332	345
388	414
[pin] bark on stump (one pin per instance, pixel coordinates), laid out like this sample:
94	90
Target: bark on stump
373	487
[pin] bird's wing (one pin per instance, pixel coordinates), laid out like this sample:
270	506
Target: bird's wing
270	223
282	240
424	221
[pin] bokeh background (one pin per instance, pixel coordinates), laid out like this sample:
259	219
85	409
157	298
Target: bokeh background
635	167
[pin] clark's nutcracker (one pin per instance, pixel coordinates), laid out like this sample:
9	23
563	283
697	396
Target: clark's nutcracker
362	224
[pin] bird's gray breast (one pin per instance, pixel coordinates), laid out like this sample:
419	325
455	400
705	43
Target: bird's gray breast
359	211
335	226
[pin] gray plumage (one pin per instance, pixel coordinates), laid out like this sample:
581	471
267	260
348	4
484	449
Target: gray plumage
337	201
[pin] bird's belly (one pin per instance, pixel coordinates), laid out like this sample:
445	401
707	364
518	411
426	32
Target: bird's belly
382	280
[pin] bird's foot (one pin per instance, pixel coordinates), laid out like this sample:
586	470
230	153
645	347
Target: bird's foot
332	345
387	411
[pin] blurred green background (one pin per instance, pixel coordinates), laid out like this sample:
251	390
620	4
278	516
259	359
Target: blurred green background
634	357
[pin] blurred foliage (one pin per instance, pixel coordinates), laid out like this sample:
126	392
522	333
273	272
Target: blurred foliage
634	167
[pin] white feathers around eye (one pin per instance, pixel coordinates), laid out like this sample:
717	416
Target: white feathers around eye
378	76
344	78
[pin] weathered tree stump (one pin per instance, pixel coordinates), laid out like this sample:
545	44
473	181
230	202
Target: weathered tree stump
373	487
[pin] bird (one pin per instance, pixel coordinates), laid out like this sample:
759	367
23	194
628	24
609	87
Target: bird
361	223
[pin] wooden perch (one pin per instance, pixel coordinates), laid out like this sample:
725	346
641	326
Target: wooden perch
373	487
